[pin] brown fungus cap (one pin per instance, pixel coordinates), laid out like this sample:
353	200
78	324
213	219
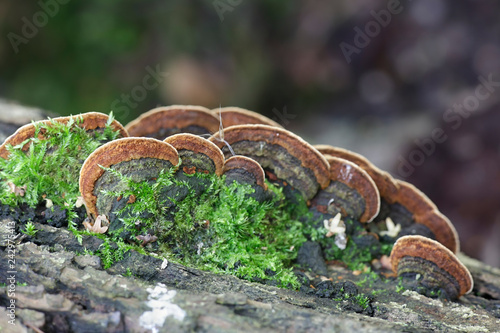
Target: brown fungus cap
353	176
287	155
237	116
443	230
248	165
164	121
425	212
191	143
384	181
117	151
90	121
435	252
413	199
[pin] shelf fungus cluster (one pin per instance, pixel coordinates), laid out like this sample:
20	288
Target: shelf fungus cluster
246	147
425	237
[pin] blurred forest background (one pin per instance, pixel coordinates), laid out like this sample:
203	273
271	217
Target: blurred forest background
383	78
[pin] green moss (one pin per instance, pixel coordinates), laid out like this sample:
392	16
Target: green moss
201	222
111	252
30	229
222	229
353	256
386	248
436	293
400	287
362	300
50	167
376	292
369	278
128	273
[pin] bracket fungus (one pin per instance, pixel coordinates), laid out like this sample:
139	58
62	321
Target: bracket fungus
231	116
245	170
160	123
351	192
429	267
384	181
413	199
91	121
402	202
282	154
197	154
138	158
426	218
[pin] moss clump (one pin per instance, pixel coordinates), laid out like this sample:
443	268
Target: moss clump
29	229
219	228
201	222
369	278
111	252
50	168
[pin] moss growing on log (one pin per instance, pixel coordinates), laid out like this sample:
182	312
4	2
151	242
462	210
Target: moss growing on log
49	169
202	222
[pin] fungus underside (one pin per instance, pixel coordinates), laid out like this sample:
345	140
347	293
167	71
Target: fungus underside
50	167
